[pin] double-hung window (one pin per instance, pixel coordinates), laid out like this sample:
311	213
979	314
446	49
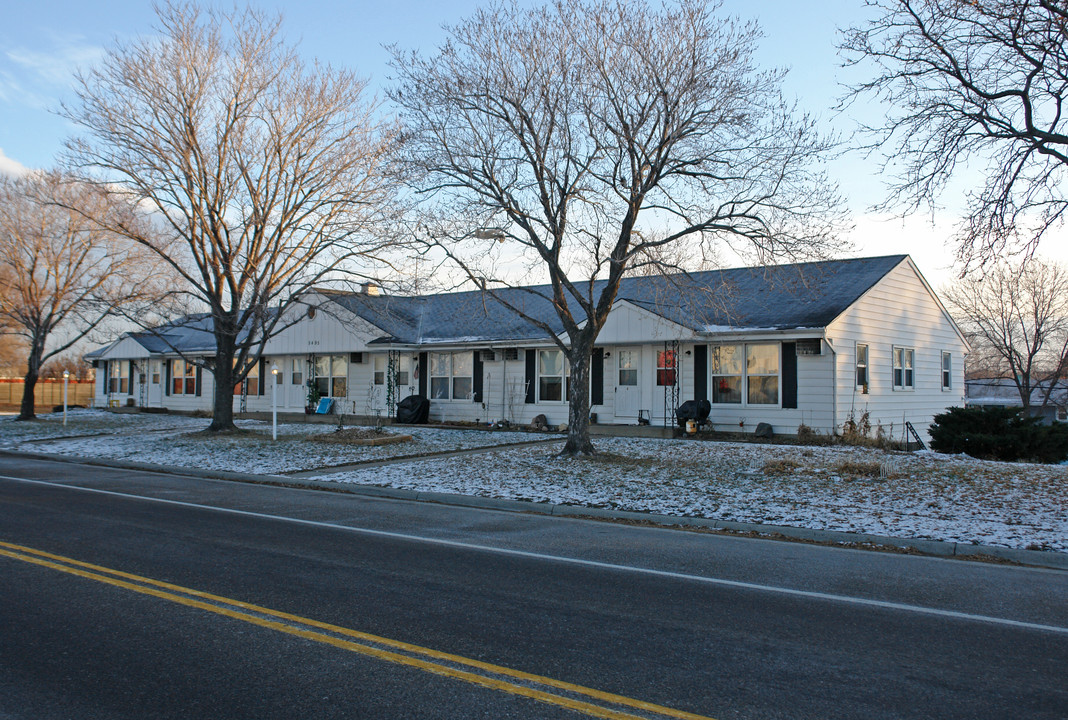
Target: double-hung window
749	371
183	377
553	376
667	364
947	371
252	380
862	367
762	374
451	376
119	380
726	362
904	368
296	371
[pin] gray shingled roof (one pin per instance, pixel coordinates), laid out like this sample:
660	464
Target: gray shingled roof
777	297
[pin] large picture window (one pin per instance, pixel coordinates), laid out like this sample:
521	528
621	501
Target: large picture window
451	376
183	377
904	362
331	375
749	371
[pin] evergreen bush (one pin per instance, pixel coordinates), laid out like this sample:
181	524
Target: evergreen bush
999	434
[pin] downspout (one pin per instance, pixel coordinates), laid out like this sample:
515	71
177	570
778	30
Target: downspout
834	386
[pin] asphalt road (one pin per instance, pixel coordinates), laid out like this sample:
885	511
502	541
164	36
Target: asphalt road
137	595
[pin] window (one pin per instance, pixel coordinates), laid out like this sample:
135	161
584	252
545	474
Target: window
155	372
183	377
451	376
862	366
947	371
331	374
752	367
403	369
553	376
252	380
119	380
380	370
762	374
297	371
904	359
628	367
726	364
666	367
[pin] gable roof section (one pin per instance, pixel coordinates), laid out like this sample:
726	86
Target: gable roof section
775	297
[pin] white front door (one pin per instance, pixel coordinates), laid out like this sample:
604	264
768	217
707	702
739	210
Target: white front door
628	392
295	384
155	383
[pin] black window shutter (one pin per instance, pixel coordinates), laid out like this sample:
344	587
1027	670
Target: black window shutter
476	382
198	379
129	383
167	378
700	372
789	375
263	376
597	377
531	375
423	369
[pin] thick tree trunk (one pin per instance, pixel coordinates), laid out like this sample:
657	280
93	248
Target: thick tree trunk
29	383
222	419
578	423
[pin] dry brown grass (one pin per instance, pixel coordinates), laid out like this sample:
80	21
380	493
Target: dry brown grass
780	466
349	435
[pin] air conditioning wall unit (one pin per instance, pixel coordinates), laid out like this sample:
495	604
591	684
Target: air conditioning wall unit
488	356
809	346
356	357
511	353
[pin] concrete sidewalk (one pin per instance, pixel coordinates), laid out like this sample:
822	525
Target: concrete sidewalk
306	480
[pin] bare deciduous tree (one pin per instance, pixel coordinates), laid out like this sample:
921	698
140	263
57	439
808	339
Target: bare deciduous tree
580	138
1016	317
263	173
972	85
62	273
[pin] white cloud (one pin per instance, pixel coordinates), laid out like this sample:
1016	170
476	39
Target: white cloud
9	166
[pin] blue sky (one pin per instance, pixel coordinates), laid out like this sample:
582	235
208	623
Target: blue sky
42	43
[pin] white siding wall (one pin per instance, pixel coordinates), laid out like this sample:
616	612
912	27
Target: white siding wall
898	311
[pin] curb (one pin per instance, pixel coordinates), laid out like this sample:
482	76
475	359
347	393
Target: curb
936	548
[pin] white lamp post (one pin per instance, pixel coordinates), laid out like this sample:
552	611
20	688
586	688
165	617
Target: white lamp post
66	377
274	401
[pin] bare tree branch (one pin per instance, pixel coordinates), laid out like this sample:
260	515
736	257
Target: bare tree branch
265	176
593	134
971	85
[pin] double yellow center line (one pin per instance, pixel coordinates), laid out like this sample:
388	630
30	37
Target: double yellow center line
587	701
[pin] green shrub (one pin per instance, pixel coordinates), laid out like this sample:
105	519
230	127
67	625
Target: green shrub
998	434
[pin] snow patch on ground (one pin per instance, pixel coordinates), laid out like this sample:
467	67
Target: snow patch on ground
921	495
